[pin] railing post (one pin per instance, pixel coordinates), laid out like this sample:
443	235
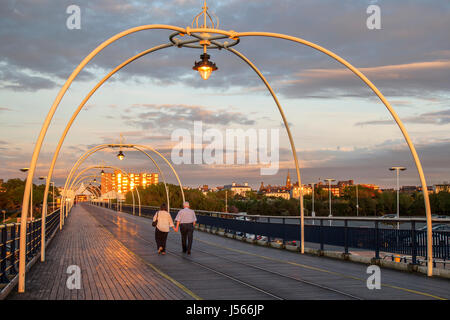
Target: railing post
27	245
12	258
284	231
413	242
377	242
268	237
33	238
345	236
321	234
3	278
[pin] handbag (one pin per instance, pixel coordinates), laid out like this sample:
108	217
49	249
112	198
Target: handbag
154	223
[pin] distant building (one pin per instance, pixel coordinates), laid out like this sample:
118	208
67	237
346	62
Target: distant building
408	189
444	187
343	184
429	188
122	183
295	191
204	189
278	194
238	189
374	187
288	181
2	188
335	189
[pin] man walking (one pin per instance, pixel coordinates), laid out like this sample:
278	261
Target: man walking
186	221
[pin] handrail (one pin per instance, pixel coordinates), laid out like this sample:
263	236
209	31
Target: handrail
377	218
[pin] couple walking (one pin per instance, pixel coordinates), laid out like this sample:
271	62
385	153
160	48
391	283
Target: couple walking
185	220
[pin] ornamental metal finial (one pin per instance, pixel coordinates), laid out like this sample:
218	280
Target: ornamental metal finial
207	18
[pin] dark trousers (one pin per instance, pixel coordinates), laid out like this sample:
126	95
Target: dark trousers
187	233
161	239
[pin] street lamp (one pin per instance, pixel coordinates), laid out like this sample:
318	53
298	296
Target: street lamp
120	155
398	169
53	193
329	195
31	194
204	66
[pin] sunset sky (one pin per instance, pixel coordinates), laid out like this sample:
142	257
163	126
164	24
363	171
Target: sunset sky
341	129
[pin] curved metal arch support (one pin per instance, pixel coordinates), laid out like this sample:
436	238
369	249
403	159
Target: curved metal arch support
104	146
233	35
100	147
288	130
76	186
43	132
69	125
95	188
391	111
115	168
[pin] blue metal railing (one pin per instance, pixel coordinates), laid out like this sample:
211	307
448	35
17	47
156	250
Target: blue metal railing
9	243
386	238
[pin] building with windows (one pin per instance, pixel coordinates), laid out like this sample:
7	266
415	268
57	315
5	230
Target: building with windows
2	188
122	183
278	194
444	187
295	191
237	188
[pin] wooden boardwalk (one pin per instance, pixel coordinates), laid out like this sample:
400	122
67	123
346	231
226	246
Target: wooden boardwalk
117	255
109	271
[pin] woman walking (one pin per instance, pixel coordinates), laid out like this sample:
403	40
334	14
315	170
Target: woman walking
163	222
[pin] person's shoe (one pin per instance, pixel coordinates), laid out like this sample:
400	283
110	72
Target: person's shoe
160	249
163	253
189	252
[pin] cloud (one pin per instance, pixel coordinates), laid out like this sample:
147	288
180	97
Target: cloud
437	118
51	51
18	80
404	80
147	116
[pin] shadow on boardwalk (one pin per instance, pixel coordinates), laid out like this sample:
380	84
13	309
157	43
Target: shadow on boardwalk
108	269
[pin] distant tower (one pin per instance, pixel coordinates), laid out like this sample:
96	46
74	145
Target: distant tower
288	181
261	188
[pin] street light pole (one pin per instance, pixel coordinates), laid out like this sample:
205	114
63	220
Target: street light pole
398	169
313	213
329	195
226	200
357	201
31	194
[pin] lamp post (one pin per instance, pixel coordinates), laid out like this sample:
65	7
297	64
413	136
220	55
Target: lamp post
226	200
313	213
357	201
53	193
329	195
31	194
397	170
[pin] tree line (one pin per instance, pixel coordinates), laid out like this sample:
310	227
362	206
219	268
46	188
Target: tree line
371	203
12	197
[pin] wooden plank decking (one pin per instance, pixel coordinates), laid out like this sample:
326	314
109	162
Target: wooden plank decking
117	255
109	270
